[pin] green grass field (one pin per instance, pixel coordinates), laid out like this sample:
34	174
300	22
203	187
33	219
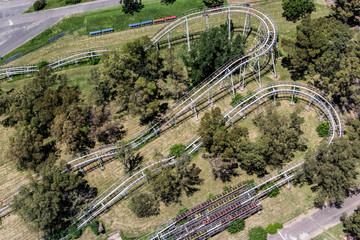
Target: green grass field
112	17
54	4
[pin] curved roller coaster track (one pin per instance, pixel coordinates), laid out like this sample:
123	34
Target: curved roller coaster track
206	219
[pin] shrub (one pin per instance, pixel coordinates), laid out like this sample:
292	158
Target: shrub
176	149
273	228
236	99
323	129
236	226
75	232
39	4
295	99
257	233
94	226
72	1
42	64
274	192
144	205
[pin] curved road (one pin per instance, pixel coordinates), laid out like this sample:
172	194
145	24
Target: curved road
17	28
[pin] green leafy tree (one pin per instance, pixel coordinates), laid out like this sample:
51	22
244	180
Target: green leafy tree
213	2
131	6
323	129
210	52
28	148
209	124
257	233
48	204
280	137
168	2
166	186
144	205
39	4
236	226
348	11
188	174
318	46
273	228
352	223
177	149
297	9
331	170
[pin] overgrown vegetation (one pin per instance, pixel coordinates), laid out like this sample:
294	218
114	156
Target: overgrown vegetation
273	228
352	223
236	226
257	233
323	129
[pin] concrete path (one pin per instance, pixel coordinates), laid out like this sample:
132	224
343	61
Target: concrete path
314	223
17	28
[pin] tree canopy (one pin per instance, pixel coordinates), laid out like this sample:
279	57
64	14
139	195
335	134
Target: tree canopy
352	223
131	6
347	11
213	2
331	170
144	205
297	9
49	204
210	52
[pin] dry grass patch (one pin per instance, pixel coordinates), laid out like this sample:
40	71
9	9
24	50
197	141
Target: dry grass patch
13	228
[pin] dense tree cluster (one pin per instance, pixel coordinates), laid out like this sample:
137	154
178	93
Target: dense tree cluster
331	170
348	11
144	205
326	51
48	112
132	77
49	204
352	223
297	9
229	147
211	51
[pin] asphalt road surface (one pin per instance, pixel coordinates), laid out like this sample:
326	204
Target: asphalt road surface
313	224
17	28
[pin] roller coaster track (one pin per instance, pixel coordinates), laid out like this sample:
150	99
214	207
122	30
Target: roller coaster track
265	41
73	59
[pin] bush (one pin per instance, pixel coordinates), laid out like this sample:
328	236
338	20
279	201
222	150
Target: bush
274	192
75	232
273	228
323	129
42	64
236	99
72	1
94	226
39	4
257	233
236	226
176	149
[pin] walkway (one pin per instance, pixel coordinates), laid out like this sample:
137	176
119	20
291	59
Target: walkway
314	223
17	28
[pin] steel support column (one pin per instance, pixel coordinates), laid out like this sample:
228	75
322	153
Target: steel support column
232	85
169	42
229	25
187	33
259	69
207	22
273	62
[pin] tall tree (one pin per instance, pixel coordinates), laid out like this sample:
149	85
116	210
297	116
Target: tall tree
352	224
131	6
331	170
297	9
213	2
318	45
144	205
166	186
210	52
48	205
348	11
280	137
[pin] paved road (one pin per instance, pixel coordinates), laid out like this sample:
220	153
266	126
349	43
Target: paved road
17	28
313	224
